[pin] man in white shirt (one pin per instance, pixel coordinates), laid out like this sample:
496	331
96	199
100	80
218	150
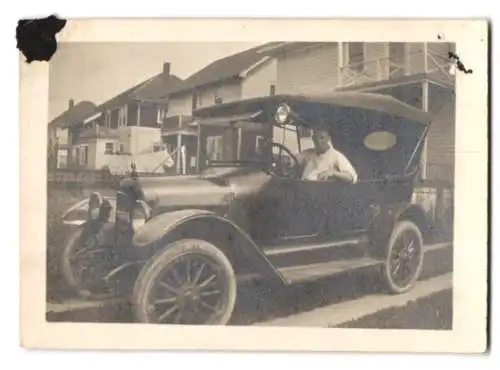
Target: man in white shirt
325	162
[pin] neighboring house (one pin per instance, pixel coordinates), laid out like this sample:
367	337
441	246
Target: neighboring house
240	76
59	133
127	125
416	73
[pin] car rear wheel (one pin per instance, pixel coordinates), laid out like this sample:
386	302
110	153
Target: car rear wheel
191	282
404	257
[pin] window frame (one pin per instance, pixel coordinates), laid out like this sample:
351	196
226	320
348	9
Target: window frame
160	115
361	65
107	119
214	141
405	55
122	117
106	152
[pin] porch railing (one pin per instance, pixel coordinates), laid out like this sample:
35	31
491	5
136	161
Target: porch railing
387	68
98	131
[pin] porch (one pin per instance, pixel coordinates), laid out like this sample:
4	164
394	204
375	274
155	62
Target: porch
364	63
180	139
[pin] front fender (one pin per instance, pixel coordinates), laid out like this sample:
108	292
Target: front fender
244	254
77	214
163	224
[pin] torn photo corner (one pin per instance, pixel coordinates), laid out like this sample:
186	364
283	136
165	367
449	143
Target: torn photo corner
299	192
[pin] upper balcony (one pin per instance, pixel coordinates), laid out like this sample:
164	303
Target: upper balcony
96	132
178	125
369	63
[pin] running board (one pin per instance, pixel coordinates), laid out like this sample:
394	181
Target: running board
302	273
306	254
277	250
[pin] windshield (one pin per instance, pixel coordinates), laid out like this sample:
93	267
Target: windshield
248	143
235	144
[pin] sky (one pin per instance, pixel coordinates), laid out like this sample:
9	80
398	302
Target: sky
99	71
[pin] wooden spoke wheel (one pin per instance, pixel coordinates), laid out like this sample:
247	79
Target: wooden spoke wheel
404	257
84	262
191	282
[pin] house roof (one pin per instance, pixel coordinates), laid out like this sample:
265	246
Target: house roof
274	48
153	89
79	112
233	66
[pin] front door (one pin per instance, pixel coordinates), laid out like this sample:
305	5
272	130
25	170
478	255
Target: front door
349	208
293	213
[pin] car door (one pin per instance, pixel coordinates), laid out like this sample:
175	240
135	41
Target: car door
347	208
295	212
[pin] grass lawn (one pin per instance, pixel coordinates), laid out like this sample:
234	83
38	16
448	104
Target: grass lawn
434	312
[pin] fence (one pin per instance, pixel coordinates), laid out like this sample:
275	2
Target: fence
81	178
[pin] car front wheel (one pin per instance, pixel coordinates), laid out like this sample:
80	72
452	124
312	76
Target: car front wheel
84	263
404	257
190	282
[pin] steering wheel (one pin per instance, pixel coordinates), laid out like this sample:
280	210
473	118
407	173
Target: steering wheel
279	165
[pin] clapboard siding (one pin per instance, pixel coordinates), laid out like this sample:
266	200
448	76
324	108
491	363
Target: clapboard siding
310	70
258	82
180	104
227	92
441	136
441	143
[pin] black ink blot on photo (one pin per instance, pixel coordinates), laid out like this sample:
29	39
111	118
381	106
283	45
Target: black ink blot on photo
36	38
454	58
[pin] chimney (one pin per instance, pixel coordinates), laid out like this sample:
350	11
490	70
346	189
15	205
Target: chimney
166	68
71	103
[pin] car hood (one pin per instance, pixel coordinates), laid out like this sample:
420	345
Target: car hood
211	188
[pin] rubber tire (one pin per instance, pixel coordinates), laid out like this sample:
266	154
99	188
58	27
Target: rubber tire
66	268
400	227
172	251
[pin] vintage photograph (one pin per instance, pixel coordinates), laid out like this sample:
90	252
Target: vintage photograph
277	184
305	185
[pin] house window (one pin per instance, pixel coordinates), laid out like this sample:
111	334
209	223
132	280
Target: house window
272	89
356	55
122	116
214	147
107	119
194	101
397	58
304	132
259	144
160	115
62	158
84	155
108	148
157	148
218	100
76	155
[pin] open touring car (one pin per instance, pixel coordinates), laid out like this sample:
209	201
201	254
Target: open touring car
177	246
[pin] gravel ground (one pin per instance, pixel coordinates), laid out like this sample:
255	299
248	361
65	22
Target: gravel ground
434	312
